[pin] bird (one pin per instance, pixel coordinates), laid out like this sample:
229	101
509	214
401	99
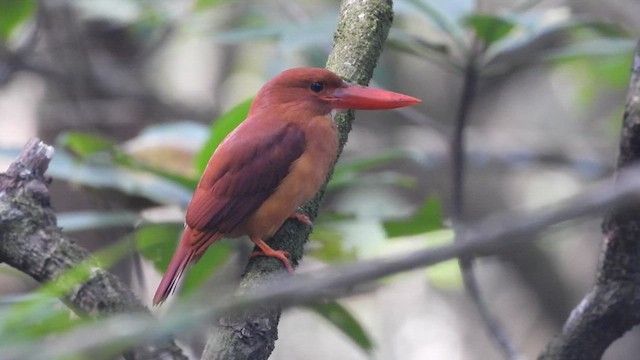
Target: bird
271	164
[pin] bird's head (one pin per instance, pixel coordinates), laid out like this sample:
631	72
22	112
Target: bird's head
321	91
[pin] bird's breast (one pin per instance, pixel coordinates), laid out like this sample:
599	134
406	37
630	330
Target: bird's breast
306	175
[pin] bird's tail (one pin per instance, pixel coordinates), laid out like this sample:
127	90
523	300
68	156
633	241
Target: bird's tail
192	245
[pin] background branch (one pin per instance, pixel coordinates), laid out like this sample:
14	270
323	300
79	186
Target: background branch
612	307
31	242
458	178
362	30
486	238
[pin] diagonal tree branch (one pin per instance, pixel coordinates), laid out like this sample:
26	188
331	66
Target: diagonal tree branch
487	238
31	242
362	30
613	305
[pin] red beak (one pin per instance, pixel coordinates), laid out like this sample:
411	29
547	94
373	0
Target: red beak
352	96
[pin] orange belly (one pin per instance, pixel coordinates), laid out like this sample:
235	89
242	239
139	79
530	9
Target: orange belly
305	177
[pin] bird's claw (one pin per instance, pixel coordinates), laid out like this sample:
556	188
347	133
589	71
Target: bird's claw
278	254
302	218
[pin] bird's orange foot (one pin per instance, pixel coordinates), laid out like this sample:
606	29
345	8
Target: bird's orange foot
302	218
266	250
280	255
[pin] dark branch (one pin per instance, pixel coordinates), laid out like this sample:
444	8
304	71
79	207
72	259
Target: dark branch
458	179
613	305
31	242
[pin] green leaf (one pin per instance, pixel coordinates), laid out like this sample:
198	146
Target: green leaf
332	245
445	15
131	163
427	218
14	13
212	260
86	220
489	28
374	179
85	144
121	158
369	162
596	75
595	48
219	130
103	259
534	28
434	51
37	315
11	300
341	318
412	43
205	4
25	322
157	243
445	275
147	185
613	70
348	172
33	319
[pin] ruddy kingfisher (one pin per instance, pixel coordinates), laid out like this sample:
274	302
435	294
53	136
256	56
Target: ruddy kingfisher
271	164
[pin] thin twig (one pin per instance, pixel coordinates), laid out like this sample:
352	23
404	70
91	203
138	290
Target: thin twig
458	179
458	147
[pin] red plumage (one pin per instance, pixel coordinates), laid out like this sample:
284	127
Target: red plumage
275	161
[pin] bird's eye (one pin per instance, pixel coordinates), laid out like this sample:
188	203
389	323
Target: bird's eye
316	87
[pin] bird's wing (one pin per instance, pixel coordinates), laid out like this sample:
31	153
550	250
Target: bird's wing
243	172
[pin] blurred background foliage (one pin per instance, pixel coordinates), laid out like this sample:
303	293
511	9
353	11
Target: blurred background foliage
137	94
